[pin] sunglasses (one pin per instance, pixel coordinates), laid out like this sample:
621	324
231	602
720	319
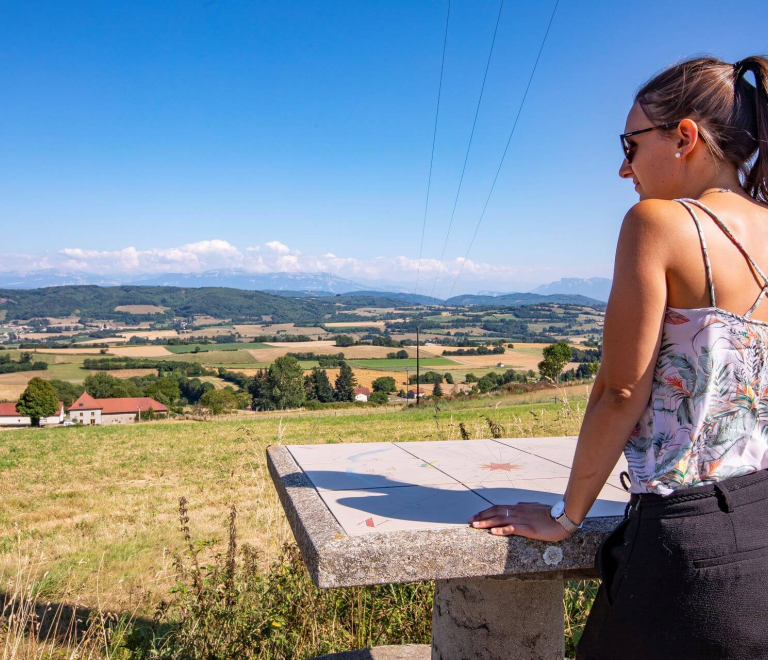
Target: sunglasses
627	147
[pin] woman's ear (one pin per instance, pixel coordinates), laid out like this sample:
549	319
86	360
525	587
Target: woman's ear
688	136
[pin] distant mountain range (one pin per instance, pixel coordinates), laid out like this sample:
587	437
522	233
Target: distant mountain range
515	299
307	285
598	288
240	279
41	278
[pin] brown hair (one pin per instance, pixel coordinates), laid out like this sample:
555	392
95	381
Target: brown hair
731	113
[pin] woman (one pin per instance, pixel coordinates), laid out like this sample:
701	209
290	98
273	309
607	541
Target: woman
683	385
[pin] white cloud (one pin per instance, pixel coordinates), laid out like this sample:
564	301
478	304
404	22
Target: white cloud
275	256
277	246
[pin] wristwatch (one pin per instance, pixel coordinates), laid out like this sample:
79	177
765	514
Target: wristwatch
558	513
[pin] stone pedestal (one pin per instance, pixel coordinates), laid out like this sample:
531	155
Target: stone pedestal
491	618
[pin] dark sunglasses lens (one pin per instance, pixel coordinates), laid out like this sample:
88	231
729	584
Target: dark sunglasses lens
627	150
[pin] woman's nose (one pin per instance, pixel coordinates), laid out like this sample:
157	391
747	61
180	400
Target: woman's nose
625	171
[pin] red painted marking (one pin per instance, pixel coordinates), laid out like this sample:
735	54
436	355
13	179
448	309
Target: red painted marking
506	467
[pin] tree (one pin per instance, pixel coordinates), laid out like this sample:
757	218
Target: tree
219	401
379	398
398	355
556	356
38	400
470	378
164	390
66	392
25	358
104	386
385	384
449	378
285	384
437	391
345	384
322	388
258	390
594	367
344	340
486	383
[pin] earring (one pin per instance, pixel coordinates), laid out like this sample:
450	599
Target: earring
678	154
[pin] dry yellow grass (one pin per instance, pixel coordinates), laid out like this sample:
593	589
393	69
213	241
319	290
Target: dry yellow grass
204	319
12	385
255	329
68	351
302	346
141	309
49	335
356	324
215	331
325	347
510	360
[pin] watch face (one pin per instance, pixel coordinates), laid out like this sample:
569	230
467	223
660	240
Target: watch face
558	509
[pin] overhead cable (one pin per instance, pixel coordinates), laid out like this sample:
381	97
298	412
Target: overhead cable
434	138
469	146
504	155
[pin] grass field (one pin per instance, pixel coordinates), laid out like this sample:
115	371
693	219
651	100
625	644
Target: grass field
214	358
236	346
100	503
401	365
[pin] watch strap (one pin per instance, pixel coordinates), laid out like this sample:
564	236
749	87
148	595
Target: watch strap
566	522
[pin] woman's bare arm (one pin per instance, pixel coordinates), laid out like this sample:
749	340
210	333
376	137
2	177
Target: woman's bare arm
631	338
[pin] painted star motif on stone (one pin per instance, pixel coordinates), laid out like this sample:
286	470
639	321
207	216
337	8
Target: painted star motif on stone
505	467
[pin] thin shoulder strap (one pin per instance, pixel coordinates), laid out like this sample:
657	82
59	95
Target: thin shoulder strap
734	240
707	264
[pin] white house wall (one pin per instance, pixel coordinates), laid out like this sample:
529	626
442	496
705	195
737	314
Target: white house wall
121	418
15	421
85	417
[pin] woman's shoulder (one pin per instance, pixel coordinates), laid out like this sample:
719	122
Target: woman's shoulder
656	222
655	211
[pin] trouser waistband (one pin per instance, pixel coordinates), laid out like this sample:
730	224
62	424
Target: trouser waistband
724	495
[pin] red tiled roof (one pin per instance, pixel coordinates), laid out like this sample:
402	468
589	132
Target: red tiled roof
9	409
117	406
362	390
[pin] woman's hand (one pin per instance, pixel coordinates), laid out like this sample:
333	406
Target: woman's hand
529	519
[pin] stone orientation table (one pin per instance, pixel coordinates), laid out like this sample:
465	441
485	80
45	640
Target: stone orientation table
388	512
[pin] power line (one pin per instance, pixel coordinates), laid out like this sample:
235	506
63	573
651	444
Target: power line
469	146
509	140
434	138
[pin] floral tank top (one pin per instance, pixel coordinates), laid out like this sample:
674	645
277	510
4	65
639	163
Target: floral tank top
707	417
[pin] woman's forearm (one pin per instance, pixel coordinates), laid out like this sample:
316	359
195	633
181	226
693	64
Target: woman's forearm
608	424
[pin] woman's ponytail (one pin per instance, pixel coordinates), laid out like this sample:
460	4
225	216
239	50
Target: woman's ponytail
756	176
731	112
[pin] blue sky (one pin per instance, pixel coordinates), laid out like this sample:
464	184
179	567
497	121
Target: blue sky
179	136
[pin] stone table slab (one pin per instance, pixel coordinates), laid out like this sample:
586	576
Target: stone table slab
373	523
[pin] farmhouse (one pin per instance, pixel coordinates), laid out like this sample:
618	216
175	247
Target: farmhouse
90	411
9	416
362	393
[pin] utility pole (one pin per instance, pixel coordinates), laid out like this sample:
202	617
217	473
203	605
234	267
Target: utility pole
417	365
407	383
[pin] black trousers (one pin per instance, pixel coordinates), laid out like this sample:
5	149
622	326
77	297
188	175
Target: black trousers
685	576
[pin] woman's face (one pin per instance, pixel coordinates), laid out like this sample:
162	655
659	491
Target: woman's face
654	169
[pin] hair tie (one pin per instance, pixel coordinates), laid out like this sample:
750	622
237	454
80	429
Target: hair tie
738	68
